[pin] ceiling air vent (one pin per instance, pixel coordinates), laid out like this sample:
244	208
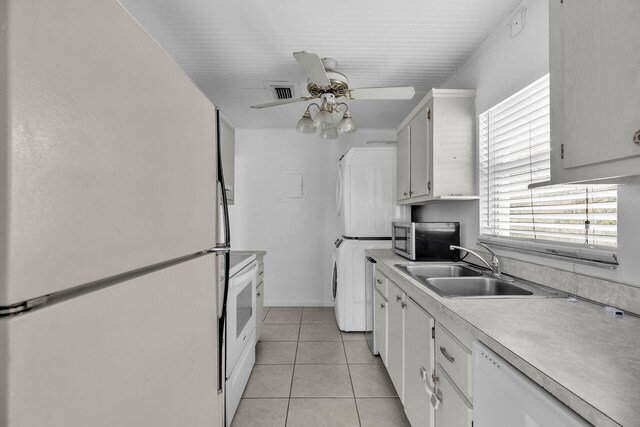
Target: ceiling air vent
282	90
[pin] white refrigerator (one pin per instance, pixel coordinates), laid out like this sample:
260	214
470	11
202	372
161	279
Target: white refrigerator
366	204
109	290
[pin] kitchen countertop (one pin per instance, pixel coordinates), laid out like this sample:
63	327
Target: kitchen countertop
239	260
587	358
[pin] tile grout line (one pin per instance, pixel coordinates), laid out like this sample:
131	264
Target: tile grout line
353	390
295	359
295	365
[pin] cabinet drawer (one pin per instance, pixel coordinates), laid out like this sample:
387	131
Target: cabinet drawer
382	284
455	359
454	409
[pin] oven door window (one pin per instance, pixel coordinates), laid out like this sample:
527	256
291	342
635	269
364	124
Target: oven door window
244	308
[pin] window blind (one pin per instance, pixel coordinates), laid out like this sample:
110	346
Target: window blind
515	152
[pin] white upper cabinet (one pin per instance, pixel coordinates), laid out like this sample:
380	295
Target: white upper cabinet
595	89
404	162
228	152
436	148
420	177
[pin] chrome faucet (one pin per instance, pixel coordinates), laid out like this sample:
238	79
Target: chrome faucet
495	262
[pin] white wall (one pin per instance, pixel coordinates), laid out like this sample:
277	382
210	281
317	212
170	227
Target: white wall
297	236
499	68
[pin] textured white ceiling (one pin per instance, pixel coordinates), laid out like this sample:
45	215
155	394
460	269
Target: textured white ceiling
231	47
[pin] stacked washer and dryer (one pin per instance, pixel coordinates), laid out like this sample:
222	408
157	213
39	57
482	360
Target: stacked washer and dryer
366	204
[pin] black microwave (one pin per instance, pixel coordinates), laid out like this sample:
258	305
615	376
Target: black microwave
426	241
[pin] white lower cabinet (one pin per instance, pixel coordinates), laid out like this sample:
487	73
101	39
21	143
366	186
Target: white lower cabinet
395	338
380	324
259	309
454	409
429	365
259	296
418	364
455	359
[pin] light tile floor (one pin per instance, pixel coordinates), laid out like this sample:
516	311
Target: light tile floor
309	373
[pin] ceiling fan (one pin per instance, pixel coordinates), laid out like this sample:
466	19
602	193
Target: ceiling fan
328	84
325	79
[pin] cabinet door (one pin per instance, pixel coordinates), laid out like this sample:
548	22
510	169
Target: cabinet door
600	80
420	154
404	163
380	324
395	338
454	410
259	309
418	363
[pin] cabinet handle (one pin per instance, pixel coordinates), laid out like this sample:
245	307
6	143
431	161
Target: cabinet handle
436	394
424	374
405	193
446	354
258	294
403	305
436	399
398	297
429	186
636	137
379	282
382	306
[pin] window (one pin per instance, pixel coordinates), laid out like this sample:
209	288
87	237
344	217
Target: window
515	152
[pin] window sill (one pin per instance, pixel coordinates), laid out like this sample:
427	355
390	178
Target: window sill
595	256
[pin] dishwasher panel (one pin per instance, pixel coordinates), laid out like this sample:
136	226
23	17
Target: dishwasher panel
505	397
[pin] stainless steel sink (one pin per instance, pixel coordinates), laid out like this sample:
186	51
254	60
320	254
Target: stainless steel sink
458	281
438	270
476	287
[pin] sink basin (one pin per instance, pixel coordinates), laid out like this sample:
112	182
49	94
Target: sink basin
476	287
451	280
441	270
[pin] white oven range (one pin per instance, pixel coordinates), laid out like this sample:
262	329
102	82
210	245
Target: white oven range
240	328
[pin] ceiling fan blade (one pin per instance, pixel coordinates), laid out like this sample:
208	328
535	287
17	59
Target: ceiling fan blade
281	102
314	68
406	92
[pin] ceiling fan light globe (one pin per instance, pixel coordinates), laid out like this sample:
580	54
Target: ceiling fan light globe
323	119
347	125
329	132
305	125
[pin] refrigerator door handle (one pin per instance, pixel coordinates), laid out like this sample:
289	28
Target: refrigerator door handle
222	248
